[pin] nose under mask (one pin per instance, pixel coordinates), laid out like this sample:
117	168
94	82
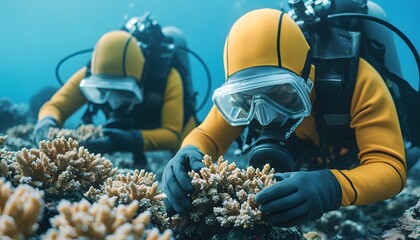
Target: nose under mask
265	114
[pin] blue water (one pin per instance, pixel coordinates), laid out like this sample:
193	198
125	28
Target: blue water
36	34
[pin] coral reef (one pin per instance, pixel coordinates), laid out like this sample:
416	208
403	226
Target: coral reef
224	199
19	137
20	210
101	220
6	159
21	131
407	225
80	134
12	114
61	167
2	140
140	186
367	222
229	193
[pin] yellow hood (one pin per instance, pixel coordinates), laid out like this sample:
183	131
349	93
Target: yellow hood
117	53
265	37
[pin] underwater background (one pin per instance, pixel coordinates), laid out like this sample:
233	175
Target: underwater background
37	34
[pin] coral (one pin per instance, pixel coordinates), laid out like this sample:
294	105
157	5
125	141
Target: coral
101	220
140	186
19	137
16	144
20	209
229	193
224	194
61	167
2	140
6	167
6	160
366	222
21	131
12	114
80	134
409	223
311	236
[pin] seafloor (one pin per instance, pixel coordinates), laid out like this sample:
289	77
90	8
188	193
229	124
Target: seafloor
396	218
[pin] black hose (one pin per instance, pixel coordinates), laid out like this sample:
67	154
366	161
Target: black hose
57	68
386	24
207	95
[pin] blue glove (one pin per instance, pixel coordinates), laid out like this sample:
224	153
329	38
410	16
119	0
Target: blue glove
42	128
299	197
116	140
176	182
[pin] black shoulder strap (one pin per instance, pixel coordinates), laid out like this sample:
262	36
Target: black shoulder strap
336	60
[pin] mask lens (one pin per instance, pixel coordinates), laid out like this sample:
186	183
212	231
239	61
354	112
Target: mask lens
234	108
283	93
99	90
96	95
286	96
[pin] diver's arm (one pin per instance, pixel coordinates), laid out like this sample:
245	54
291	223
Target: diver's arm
214	135
66	100
168	135
382	171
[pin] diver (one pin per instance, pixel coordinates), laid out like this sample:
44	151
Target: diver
270	83
131	79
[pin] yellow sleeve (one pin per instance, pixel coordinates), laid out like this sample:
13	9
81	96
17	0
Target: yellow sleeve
382	171
65	101
168	135
214	135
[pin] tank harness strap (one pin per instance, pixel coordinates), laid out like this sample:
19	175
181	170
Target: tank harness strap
336	59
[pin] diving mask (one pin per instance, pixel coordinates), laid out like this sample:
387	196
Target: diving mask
114	90
264	93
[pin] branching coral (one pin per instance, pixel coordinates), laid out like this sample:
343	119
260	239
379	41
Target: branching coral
61	167
101	220
80	134
6	160
225	194
140	186
20	209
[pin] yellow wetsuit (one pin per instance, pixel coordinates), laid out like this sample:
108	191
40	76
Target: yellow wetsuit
382	170
168	136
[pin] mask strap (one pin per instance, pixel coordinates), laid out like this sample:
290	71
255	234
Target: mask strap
293	128
307	67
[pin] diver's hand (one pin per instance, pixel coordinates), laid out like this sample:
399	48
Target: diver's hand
299	197
116	140
42	128
176	182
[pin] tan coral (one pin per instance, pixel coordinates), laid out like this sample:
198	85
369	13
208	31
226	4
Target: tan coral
227	193
61	167
20	210
101	220
80	134
7	161
140	186
4	168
